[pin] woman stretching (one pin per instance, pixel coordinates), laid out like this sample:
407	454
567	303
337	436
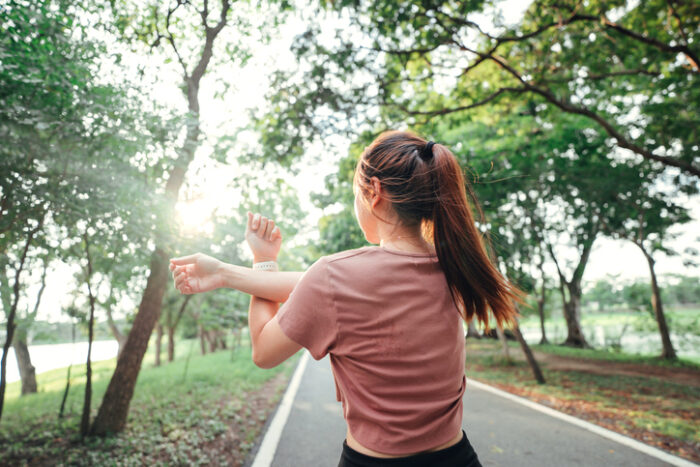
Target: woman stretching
390	316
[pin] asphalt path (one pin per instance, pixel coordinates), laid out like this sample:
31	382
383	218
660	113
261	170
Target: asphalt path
503	432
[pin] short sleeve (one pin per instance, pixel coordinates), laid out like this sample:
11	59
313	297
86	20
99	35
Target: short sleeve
308	317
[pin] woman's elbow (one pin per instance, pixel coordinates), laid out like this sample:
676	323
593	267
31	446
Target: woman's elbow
262	362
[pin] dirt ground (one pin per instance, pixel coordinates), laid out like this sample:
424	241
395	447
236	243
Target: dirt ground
235	444
686	376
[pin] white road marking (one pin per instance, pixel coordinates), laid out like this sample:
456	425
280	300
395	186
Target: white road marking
604	432
272	437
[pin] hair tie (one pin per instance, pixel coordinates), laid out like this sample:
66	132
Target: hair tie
427	152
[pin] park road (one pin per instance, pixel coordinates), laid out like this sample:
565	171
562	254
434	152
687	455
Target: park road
502	431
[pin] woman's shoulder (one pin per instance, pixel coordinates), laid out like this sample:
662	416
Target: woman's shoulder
350	254
374	253
341	260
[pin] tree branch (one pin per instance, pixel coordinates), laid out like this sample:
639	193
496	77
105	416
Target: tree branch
210	35
170	37
445	111
182	309
567	106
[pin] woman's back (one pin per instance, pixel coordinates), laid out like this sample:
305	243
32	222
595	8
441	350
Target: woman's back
396	343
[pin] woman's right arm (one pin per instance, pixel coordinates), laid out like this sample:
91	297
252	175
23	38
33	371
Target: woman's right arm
200	273
274	286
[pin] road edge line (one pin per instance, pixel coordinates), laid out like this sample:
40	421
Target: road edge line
268	447
599	430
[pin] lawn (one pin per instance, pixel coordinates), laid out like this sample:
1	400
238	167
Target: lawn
643	403
195	410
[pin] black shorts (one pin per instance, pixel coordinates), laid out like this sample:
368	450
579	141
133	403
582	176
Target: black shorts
461	454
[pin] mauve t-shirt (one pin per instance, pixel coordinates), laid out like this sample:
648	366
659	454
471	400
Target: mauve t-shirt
395	340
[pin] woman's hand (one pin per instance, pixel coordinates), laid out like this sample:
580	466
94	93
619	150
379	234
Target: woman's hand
196	273
264	238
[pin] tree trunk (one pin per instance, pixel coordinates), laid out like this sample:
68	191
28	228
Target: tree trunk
159	340
572	306
111	417
540	309
85	420
202	340
572	314
11	315
27	372
529	356
116	333
504	342
211	337
472	331
171	344
668	351
115	404
70	365
173	326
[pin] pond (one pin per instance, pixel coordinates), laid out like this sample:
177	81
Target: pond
687	345
52	356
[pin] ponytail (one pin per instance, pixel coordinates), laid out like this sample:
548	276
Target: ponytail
475	283
425	185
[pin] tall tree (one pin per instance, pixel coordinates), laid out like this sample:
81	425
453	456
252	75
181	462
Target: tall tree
645	217
18	268
50	164
167	27
87	399
27	372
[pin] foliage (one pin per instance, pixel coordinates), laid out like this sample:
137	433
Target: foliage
676	290
206	397
569	56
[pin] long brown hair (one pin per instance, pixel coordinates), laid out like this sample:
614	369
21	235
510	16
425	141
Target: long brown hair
426	187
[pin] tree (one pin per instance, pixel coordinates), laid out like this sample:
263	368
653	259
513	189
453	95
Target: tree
85	418
18	268
404	63
56	136
161	27
603	294
600	60
644	218
27	372
685	291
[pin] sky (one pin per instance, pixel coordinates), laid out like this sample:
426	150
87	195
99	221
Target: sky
209	183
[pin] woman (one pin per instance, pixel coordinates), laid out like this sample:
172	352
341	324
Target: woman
390	316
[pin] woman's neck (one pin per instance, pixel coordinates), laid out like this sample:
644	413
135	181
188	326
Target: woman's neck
406	239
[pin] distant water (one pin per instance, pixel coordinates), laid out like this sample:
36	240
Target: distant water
648	343
52	356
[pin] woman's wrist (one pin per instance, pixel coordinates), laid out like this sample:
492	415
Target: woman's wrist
266	266
230	275
262	259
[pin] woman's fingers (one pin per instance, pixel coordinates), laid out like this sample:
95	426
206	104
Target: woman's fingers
184	260
268	232
263	227
249	224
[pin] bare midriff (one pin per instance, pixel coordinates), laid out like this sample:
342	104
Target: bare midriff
354	444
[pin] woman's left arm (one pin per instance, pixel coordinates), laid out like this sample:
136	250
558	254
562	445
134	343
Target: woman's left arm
271	346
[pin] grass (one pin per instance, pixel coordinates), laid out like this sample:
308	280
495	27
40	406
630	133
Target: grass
179	411
656	411
612	356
